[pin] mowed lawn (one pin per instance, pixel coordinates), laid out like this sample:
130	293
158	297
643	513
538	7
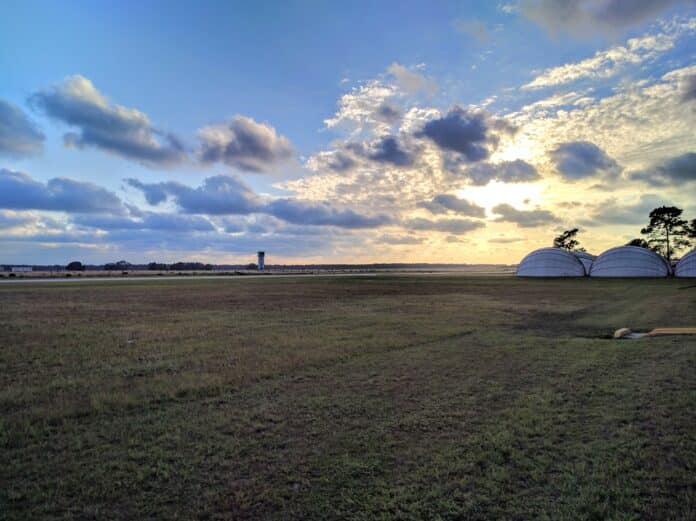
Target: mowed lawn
420	397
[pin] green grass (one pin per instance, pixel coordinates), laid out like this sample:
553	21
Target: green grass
358	398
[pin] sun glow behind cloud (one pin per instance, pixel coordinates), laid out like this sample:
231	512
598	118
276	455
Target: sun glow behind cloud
495	193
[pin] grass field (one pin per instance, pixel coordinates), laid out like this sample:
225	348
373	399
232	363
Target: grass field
355	398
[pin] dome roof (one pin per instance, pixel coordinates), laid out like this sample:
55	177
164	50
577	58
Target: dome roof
550	262
629	261
686	267
586	258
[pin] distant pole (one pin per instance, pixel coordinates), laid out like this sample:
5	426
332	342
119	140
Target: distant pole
261	255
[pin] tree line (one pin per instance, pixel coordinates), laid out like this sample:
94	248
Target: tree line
667	234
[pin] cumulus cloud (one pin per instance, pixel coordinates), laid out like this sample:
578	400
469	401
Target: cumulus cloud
444	203
113	128
218	195
19	191
588	17
410	81
386	149
676	171
472	133
244	144
582	159
453	226
18	135
388	112
517	171
362	109
523	218
226	195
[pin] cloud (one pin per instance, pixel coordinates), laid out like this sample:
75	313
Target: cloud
582	159
18	135
388	150
610	212
399	240
589	17
148	221
689	92
608	62
444	203
113	128
219	195
454	226
362	108
12	219
471	133
388	112
244	144
523	218
19	191
517	171
675	172
506	240
411	82
226	195
318	213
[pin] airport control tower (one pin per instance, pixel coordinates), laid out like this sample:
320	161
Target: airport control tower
262	255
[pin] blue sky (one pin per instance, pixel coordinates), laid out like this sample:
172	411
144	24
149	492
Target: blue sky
327	132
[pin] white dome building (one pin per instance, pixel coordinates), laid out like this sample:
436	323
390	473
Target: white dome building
586	258
550	262
686	267
630	261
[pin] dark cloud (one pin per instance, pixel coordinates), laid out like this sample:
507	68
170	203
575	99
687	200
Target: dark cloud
388	113
523	218
148	221
340	161
9	220
227	195
689	89
388	150
454	226
444	203
472	133
19	191
219	195
581	159
119	130
517	171
313	213
588	17
244	144
676	171
18	135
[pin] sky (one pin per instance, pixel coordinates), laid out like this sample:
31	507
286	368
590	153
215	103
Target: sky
326	132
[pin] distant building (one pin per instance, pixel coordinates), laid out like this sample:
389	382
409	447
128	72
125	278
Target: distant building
20	269
261	257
